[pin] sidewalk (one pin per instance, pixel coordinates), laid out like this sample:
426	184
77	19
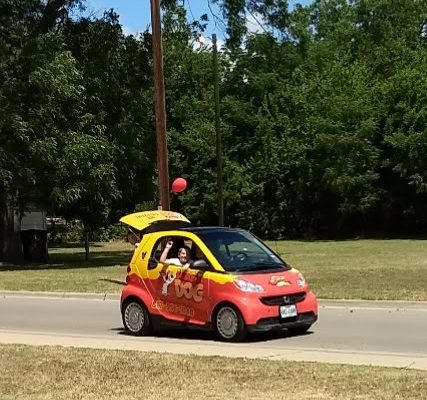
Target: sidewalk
234	350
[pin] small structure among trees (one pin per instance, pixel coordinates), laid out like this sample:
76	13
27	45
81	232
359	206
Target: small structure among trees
34	236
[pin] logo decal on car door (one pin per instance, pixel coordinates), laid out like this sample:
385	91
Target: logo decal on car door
168	279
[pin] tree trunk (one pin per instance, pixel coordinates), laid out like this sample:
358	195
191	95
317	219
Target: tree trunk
86	244
10	230
53	231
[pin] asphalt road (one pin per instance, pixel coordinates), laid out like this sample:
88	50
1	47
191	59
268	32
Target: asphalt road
365	333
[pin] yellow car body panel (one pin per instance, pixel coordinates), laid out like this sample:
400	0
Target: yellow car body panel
142	220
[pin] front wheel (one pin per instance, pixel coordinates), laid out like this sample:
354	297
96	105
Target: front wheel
229	324
136	319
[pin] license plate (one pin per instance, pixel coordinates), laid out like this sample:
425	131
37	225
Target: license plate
288	311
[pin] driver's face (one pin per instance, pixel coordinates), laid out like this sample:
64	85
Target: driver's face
183	255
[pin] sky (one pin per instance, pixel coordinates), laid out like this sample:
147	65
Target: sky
135	14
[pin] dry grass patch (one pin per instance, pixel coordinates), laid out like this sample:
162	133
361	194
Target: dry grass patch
36	373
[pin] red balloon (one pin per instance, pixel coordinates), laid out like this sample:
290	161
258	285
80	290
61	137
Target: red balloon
179	185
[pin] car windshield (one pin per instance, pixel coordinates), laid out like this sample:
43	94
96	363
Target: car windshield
239	252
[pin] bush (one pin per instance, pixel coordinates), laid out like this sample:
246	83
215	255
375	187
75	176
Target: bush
112	232
65	232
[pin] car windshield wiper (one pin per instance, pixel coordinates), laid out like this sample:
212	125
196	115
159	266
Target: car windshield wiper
260	267
269	265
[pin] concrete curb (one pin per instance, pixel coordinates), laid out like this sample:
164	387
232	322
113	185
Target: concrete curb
61	295
234	350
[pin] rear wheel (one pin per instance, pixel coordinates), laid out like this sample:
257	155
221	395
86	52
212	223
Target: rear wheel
229	324
136	319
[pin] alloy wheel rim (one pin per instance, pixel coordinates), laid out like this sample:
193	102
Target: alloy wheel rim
134	317
227	322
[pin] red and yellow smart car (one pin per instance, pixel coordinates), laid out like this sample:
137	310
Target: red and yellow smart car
234	284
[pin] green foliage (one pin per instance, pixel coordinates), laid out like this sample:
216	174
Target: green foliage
118	83
323	116
112	232
70	124
88	193
406	123
308	109
72	232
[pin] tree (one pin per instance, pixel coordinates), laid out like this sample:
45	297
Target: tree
119	92
88	192
26	36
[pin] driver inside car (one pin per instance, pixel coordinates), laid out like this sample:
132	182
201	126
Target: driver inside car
183	258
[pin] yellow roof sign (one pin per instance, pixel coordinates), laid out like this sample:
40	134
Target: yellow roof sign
156	220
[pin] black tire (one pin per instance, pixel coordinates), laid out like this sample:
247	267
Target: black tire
229	324
299	330
136	319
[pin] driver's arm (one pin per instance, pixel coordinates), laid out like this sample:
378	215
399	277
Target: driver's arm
164	256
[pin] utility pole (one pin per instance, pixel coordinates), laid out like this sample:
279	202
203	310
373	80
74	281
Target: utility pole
160	106
219	170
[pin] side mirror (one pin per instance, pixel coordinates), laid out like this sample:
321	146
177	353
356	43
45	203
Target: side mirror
152	263
200	264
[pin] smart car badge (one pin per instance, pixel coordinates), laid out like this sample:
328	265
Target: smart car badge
279	281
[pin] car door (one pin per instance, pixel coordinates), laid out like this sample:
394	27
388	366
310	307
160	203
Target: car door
177	294
191	291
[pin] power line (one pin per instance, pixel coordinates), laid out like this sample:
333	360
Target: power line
217	19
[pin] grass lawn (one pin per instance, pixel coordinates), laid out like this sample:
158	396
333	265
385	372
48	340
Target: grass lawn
361	269
35	373
354	269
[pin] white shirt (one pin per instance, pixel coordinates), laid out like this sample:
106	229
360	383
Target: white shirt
173	261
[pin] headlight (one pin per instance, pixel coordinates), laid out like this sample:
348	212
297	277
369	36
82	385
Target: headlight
301	281
246	286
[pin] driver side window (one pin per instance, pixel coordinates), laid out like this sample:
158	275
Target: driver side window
198	259
157	249
160	245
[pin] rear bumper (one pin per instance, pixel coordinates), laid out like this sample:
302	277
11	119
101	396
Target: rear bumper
276	323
